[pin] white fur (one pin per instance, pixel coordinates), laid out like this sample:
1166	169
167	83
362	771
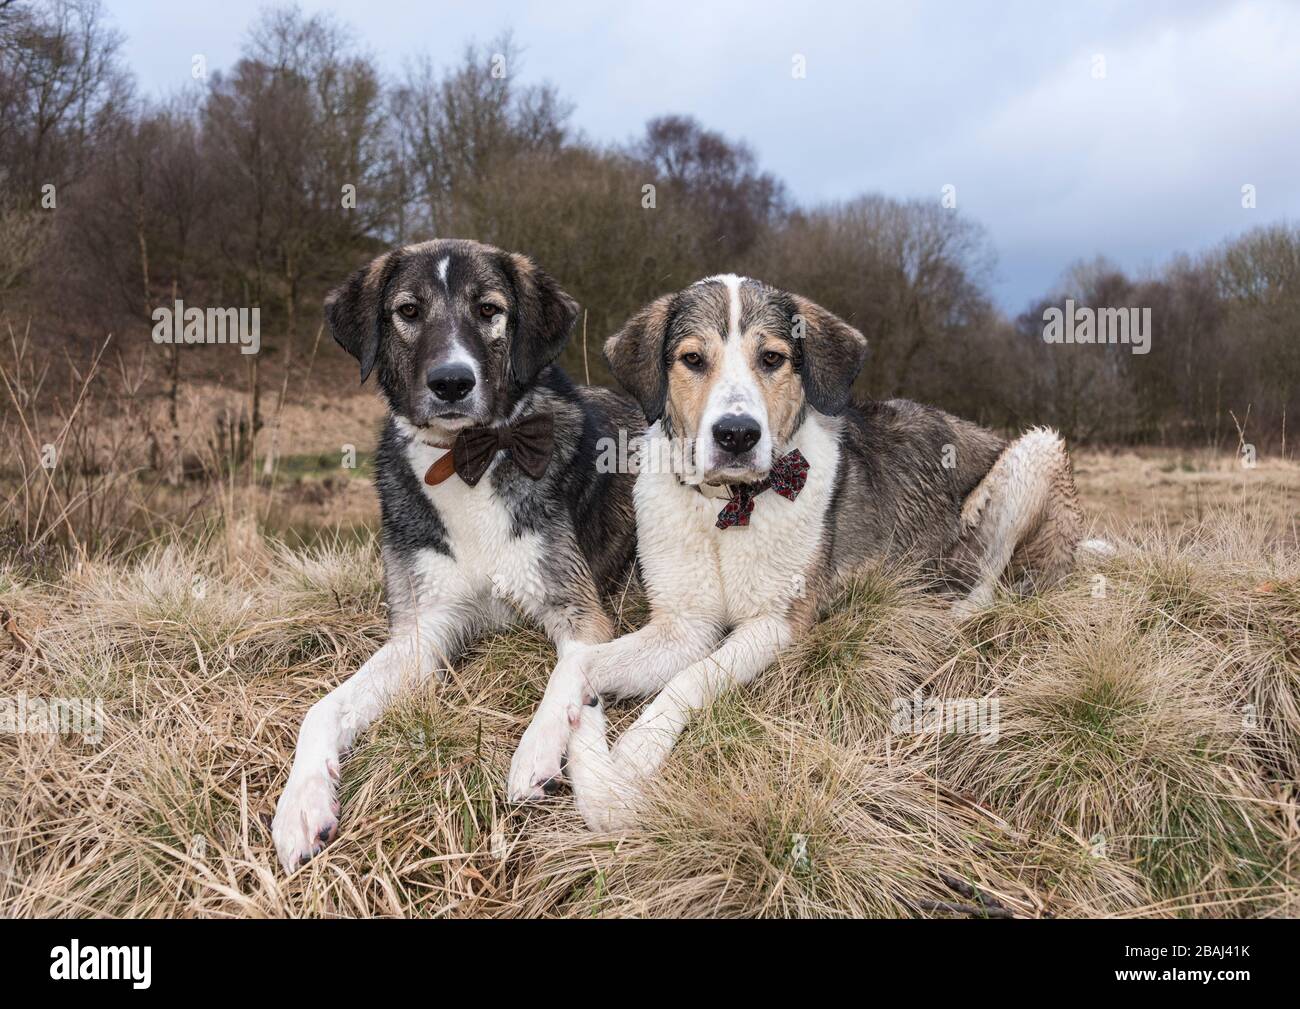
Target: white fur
1007	503
732	280
487	557
701	580
308	807
735	391
490	579
1095	550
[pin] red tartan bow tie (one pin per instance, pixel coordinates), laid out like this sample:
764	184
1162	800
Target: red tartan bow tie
787	477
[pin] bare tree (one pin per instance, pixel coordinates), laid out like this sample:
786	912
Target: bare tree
458	129
719	177
61	86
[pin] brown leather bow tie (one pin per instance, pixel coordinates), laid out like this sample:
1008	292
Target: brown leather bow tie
529	440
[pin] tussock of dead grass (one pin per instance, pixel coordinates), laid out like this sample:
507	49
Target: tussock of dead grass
1145	760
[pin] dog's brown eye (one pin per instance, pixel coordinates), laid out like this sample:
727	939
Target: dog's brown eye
772	358
692	360
488	310
409	310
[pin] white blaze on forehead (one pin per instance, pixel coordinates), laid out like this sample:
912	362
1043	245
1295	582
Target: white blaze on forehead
731	282
721	278
735	389
735	381
457	352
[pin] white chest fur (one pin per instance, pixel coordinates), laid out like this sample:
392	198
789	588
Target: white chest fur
743	572
487	556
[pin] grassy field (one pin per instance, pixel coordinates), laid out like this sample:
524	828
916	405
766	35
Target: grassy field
1144	760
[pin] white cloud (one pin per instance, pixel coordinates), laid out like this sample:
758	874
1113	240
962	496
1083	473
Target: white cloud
995	98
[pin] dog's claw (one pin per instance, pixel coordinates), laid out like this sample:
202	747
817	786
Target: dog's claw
306	819
537	768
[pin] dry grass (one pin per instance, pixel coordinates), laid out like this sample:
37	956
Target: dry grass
1146	758
1145	762
1151	489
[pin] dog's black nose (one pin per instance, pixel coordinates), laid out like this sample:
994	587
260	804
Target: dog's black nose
737	434
451	382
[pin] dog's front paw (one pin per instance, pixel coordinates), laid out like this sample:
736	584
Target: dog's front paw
307	815
537	766
604	795
972	605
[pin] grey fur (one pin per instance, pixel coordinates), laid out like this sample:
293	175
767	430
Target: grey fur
460	335
894	496
906	469
571	496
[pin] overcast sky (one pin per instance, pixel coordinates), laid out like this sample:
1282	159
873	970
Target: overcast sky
1001	100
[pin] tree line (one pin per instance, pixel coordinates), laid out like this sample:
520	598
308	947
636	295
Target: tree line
265	183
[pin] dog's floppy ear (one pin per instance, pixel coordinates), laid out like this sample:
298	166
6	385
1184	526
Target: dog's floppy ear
635	354
355	311
544	317
831	353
